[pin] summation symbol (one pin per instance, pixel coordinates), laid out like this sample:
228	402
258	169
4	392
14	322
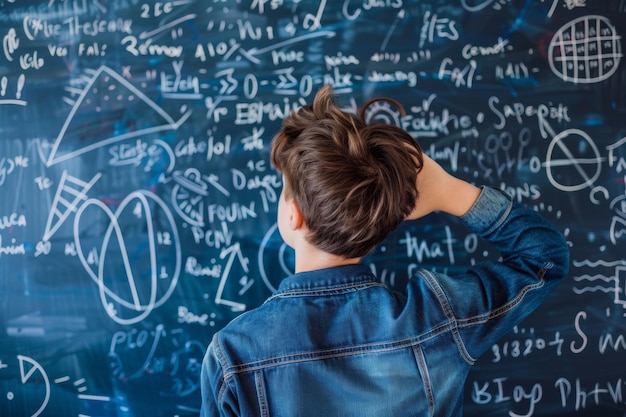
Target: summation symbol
586	50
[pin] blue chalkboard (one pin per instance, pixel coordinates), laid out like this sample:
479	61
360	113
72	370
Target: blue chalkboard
138	204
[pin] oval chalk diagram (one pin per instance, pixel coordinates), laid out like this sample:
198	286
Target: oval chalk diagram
267	257
586	50
160	276
573	161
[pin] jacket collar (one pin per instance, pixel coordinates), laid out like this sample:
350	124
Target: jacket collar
328	278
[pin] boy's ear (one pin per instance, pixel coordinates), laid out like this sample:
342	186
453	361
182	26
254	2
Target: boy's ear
296	220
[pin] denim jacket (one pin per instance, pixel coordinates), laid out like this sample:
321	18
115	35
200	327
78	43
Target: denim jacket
337	342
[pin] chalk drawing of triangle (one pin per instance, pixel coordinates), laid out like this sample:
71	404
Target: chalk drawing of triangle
109	110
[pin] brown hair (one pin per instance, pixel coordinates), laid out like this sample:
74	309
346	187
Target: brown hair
353	182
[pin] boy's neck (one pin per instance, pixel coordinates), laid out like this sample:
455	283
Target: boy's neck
310	258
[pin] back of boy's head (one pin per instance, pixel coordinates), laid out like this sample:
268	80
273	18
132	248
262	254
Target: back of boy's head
353	182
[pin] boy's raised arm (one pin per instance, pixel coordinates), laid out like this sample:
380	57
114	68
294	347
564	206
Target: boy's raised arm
440	191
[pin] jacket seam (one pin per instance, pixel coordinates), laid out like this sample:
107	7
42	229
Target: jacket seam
336	352
498	221
261	394
505	215
449	313
326	290
477	319
514	302
420	358
222	362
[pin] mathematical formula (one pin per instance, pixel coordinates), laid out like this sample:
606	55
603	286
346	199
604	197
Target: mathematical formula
138	209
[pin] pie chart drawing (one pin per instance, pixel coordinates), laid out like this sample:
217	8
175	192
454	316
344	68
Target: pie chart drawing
586	50
32	374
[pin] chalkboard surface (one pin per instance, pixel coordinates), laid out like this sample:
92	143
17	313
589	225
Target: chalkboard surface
138	204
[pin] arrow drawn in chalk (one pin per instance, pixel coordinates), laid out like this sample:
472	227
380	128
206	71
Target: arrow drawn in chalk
232	252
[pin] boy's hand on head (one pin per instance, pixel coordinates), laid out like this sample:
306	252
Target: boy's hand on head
440	191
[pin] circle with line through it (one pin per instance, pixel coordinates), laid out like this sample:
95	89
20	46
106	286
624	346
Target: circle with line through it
573	161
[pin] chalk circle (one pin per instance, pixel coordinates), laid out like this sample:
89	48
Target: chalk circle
475	5
572	154
585	50
382	112
35	390
145	281
272	252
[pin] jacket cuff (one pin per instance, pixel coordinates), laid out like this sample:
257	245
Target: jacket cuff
489	211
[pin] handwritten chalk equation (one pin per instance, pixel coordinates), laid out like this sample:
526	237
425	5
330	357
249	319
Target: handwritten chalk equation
569	4
12	165
170	353
523	399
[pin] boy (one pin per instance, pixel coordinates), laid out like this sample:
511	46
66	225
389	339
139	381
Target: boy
333	340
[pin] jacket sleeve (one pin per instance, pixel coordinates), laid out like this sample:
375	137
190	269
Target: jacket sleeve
217	399
491	298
